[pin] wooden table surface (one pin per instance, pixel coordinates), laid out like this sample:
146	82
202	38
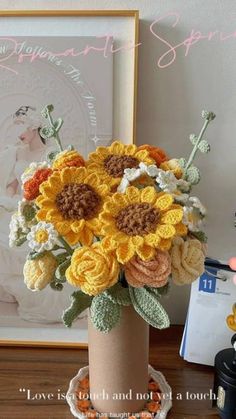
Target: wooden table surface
49	371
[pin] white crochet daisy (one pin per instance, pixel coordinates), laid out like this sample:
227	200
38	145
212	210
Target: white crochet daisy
42	236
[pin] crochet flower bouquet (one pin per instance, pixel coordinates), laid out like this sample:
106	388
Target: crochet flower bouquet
120	227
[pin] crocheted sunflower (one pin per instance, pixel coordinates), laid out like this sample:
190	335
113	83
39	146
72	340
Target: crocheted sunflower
140	221
110	162
71	200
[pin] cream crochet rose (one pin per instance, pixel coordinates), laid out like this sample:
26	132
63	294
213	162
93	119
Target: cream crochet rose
187	259
39	272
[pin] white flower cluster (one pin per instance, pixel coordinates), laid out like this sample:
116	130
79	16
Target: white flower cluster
42	236
21	222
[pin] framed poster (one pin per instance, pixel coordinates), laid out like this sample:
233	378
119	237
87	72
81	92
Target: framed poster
85	63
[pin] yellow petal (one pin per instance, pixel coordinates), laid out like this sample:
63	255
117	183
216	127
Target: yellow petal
173	216
149	195
145	252
125	252
47	191
102	190
133	195
66	175
152	239
120	199
117	148
164	244
120	237
166	231
163	201
108	244
111	207
86	237
77	226
130	150
137	241
72	238
78	175
181	229
92	180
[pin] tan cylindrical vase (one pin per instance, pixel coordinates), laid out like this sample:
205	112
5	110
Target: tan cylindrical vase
118	365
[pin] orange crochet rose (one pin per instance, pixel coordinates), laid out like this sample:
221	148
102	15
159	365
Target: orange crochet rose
156	153
153	272
31	186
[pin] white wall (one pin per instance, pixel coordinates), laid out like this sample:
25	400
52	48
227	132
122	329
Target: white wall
171	99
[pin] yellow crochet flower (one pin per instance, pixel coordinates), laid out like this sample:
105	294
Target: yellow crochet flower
68	159
39	272
109	162
187	259
173	166
71	200
139	221
92	269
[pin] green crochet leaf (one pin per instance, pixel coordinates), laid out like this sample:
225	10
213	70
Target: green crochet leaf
79	302
182	162
204	147
58	124
160	291
149	308
61	270
200	235
192	175
118	295
104	313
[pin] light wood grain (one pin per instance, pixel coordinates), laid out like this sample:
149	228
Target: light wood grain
47	370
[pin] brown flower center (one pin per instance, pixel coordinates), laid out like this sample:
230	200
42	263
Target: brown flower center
77	201
115	164
137	219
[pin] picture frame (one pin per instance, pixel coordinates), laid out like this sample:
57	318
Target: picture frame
119	30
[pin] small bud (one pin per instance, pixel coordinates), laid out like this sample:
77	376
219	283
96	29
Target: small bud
208	115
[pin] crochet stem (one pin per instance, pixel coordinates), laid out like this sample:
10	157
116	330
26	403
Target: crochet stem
195	148
66	245
56	136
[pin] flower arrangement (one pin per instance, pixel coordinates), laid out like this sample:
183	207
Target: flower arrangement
119	226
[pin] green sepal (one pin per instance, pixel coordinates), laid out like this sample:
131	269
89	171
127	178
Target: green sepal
61	270
36	255
118	295
21	240
56	286
160	292
51	156
147	305
79	302
200	235
193	175
104	313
